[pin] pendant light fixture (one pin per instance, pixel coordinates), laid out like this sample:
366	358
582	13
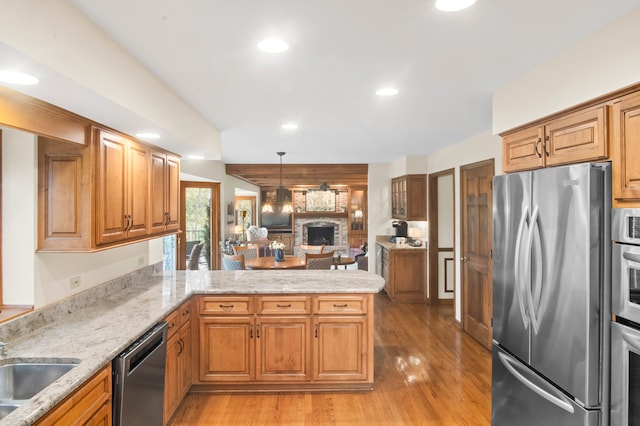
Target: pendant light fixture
281	197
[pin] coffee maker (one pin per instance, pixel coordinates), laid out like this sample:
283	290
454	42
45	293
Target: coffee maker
401	228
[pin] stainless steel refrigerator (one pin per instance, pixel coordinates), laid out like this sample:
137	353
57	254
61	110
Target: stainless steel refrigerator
551	314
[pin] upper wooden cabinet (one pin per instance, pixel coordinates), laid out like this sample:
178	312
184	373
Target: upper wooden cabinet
357	209
104	194
576	137
409	197
625	135
122	185
165	187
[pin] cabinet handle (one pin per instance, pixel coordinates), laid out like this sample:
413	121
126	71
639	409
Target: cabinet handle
187	312
181	344
316	331
284	306
335	305
257	331
167	218
250	331
538	153
546	139
172	324
226	306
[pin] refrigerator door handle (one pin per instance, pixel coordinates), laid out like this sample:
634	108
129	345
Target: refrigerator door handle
550	393
534	230
517	277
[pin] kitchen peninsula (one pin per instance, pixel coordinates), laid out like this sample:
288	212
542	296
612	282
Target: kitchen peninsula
93	327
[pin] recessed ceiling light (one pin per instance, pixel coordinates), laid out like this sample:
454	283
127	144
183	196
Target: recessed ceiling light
387	91
147	135
289	126
196	157
273	45
14	77
453	5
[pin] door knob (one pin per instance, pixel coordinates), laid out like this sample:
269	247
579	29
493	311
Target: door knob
464	258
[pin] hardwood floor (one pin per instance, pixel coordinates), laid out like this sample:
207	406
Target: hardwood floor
427	372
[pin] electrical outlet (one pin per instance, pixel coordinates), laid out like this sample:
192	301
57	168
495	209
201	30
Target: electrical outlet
140	260
74	282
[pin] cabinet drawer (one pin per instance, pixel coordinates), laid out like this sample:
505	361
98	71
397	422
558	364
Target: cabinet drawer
218	305
172	323
278	305
342	305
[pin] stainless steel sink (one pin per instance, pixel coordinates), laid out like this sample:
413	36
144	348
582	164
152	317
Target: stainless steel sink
20	381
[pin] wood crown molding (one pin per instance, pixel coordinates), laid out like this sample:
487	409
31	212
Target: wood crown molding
301	175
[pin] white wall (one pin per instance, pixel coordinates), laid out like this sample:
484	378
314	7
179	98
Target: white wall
30	278
604	62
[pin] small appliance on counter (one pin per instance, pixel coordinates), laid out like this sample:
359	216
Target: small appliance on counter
401	228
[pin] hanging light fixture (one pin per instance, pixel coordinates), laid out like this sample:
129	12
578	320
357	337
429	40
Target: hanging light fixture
281	196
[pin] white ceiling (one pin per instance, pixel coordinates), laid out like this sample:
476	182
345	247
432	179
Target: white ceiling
445	65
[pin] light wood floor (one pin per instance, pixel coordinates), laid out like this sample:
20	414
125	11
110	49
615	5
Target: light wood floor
427	372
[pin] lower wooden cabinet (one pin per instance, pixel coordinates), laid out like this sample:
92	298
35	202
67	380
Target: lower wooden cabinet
178	364
89	405
271	342
405	274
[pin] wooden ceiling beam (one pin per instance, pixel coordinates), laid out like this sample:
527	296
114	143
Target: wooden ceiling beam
300	175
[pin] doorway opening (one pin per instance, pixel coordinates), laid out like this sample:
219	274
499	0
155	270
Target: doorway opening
200	226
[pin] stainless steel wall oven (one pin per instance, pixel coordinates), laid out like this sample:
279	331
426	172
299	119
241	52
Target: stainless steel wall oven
625	331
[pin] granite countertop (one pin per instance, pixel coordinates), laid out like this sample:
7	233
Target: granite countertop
383	240
93	328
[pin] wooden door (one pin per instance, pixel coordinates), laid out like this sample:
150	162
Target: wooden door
199	222
409	269
226	349
158	191
171	379
577	138
184	360
111	189
476	235
523	150
137	190
626	152
341	352
283	349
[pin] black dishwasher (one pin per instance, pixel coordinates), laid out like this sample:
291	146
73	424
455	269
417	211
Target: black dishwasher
138	380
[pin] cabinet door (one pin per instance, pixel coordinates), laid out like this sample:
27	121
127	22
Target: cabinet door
111	188
577	138
409	275
283	349
386	266
341	349
523	150
171	385
184	361
158	190
626	152
137	190
172	201
416	195
226	349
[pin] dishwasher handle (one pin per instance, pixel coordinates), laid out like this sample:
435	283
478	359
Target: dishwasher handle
143	348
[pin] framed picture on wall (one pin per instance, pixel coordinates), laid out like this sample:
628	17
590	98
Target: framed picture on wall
321	200
230	213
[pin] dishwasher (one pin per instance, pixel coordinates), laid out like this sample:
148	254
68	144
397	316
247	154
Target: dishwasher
138	380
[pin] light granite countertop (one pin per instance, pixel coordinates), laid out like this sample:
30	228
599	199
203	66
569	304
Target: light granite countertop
383	240
92	328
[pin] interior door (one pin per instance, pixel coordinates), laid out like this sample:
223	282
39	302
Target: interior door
475	263
199	224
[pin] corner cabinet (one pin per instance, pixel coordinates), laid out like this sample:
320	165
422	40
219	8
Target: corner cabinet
106	193
285	342
626	151
572	138
409	197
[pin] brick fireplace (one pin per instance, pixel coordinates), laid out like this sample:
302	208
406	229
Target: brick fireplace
340	232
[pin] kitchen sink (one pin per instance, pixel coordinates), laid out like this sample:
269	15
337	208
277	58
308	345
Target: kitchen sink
20	381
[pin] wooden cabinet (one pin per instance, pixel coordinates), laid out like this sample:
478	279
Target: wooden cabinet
91	404
572	138
409	197
285	238
164	187
405	274
342	336
357	217
178	364
625	137
122	184
270	342
104	194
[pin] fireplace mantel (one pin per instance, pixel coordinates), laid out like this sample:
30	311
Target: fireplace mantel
314	215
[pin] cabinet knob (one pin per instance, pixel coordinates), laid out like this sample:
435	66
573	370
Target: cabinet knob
464	258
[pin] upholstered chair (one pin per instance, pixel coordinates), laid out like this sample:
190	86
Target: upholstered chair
259	236
231	262
249	252
319	260
194	257
304	249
